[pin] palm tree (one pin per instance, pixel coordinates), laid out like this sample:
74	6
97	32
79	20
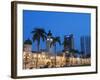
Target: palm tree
55	40
37	35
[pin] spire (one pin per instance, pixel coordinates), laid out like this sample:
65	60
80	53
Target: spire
49	33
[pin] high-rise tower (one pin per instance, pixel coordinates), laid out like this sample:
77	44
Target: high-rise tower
85	44
68	42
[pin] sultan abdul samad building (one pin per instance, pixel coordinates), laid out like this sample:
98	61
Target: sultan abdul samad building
46	58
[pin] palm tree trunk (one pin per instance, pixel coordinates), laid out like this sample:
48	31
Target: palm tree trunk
55	55
37	54
38	48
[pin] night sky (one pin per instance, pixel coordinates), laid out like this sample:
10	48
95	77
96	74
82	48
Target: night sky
60	24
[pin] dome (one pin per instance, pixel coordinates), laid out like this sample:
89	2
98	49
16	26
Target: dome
28	41
49	33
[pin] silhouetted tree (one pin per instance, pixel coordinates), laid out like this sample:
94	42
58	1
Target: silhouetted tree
55	40
37	35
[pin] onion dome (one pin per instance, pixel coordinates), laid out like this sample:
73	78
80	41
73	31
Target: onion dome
49	33
28	41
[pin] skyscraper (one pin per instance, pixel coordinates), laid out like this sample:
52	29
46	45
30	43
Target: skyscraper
68	42
85	43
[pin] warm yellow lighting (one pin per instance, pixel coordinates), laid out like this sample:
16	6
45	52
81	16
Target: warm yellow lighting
43	56
24	57
28	57
44	59
51	57
39	55
34	55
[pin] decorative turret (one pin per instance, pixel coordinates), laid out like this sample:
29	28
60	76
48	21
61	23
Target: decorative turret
49	33
48	42
28	45
28	41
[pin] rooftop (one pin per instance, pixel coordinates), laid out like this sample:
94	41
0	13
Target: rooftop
28	41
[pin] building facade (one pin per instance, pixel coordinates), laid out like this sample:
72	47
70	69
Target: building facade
85	42
68	42
49	47
43	59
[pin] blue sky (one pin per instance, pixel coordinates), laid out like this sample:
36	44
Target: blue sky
60	24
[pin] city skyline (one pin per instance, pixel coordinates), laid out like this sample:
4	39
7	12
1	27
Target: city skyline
46	20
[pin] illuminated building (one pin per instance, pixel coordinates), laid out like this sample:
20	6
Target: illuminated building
44	58
47	60
27	45
69	42
27	53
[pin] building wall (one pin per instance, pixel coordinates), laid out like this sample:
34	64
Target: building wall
85	44
30	60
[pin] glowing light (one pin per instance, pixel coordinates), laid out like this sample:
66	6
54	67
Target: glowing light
43	56
48	39
51	39
39	56
34	55
28	57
